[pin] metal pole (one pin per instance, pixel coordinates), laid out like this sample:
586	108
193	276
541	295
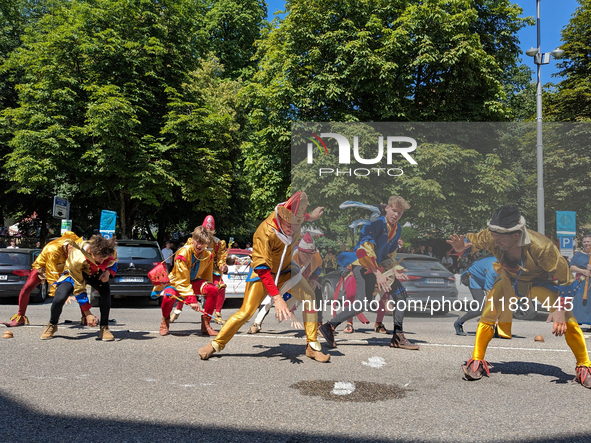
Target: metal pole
540	153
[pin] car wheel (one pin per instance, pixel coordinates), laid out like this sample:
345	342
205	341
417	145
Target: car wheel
327	292
40	293
525	314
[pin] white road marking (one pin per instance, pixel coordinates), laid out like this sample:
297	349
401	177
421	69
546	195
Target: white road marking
343	388
374	362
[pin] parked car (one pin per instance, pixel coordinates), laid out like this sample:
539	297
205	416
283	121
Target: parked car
235	279
136	259
428	280
15	268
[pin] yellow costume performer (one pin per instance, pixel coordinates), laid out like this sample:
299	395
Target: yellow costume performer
529	265
271	259
93	263
220	255
191	275
47	267
307	262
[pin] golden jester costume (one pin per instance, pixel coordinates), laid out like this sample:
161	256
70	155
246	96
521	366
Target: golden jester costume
81	270
191	275
307	262
271	266
48	266
541	273
220	255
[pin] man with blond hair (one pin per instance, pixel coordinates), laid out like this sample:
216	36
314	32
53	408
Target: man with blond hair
377	243
192	275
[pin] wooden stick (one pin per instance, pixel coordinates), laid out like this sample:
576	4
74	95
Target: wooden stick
586	286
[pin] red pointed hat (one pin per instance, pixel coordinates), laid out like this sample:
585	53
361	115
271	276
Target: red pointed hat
307	244
294	210
209	223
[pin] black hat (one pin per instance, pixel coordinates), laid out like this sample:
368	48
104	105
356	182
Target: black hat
507	217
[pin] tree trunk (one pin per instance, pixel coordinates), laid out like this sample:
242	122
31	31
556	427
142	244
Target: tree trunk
126	224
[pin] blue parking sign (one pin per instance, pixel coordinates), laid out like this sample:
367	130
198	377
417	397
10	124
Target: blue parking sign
567	242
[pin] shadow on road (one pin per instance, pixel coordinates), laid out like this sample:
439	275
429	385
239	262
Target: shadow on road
21	423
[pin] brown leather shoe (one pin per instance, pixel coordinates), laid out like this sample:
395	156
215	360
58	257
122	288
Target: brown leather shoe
206	329
206	351
49	331
583	376
164	326
475	369
317	355
105	334
400	341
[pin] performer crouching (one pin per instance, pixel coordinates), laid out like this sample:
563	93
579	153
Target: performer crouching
271	260
529	265
48	266
192	275
92	264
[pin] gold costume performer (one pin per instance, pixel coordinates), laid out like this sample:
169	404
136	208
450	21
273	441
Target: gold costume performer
307	262
271	259
220	252
191	275
93	263
48	266
529	265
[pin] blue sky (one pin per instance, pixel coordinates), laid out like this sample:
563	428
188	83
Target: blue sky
554	15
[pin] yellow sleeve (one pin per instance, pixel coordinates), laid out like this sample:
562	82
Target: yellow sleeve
551	261
482	240
221	254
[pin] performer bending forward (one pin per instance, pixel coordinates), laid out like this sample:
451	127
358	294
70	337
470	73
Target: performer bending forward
377	243
529	266
48	266
271	260
91	264
192	275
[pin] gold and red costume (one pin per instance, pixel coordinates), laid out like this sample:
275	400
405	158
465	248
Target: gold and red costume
219	255
542	268
81	270
271	265
47	267
191	275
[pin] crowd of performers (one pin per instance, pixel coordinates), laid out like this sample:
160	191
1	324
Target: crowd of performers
285	269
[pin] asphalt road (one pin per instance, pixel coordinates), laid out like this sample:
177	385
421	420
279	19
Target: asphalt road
144	387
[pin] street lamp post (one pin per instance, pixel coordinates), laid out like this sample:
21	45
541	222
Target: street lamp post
540	58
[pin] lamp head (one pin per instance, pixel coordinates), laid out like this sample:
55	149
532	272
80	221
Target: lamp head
557	53
532	52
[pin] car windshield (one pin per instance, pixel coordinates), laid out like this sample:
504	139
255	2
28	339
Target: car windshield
138	253
14	259
422	265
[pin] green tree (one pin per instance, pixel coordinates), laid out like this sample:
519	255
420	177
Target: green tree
232	26
122	101
572	98
359	60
